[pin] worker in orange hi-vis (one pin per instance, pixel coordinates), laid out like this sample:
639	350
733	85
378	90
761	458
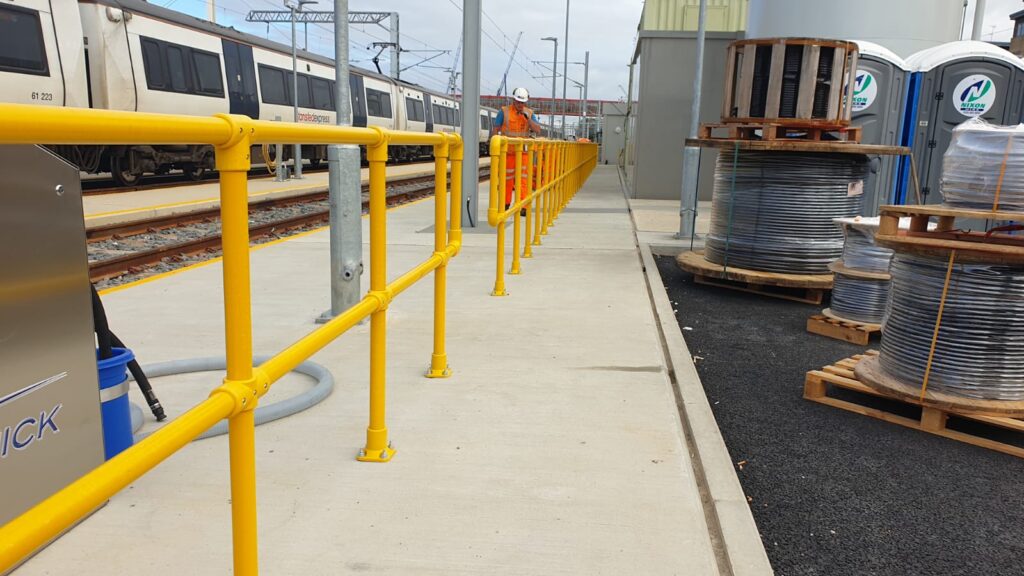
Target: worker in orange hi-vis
516	121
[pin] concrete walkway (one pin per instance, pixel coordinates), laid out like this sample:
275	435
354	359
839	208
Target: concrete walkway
555	448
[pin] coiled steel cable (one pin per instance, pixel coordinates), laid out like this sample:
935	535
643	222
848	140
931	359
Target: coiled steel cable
860	251
859	299
773	211
979	352
981	159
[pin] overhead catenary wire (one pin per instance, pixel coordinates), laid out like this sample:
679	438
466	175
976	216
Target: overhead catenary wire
773	211
979	347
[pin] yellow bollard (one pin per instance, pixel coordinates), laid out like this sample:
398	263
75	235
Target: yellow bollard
499	280
530	157
541	175
378	449
233	163
439	359
516	195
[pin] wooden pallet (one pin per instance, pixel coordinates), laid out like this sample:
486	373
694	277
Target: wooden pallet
828	324
768	131
819	383
937	241
806	288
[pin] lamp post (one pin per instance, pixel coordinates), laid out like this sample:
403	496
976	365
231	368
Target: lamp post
565	64
296	6
554	76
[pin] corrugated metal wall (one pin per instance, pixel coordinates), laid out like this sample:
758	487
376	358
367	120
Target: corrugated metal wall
679	15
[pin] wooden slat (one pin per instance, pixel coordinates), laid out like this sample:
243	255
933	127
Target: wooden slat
730	77
939	210
793	145
851	76
771	109
839	330
932	420
808	73
746	81
835	95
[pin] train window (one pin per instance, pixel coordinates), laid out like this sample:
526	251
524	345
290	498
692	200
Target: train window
414	109
272	86
176	69
378	103
153	63
21	42
305	101
436	109
322	93
207	73
458	116
485	123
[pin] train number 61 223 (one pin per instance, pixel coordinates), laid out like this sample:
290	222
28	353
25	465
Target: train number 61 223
44	96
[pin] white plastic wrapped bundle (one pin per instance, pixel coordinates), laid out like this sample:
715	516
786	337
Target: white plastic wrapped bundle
973	172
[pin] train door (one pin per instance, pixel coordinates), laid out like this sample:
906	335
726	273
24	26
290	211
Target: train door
358	92
241	76
965	90
428	112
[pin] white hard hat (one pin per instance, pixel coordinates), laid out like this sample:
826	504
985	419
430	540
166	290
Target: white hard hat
520	95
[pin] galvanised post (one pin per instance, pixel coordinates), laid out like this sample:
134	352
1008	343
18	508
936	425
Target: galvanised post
378	449
439	359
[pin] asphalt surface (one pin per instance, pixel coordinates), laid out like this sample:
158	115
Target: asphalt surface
834	492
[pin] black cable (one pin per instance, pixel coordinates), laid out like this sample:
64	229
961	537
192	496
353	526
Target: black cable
774	211
108	340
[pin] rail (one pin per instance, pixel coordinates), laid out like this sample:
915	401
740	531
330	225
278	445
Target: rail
550	173
232	137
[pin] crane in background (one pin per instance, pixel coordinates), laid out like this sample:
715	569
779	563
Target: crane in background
503	89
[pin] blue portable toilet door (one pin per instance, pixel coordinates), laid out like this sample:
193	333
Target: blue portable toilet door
967	89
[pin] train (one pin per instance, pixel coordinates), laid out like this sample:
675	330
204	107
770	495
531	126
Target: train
131	55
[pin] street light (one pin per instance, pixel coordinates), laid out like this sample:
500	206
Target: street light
296	6
554	76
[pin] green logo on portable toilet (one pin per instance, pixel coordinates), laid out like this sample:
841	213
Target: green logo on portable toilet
974	95
865	89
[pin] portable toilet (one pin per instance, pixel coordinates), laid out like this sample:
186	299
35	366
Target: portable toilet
950	84
879	97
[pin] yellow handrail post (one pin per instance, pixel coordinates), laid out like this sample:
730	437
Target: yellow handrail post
516	197
499	223
233	163
549	158
527	242
455	219
541	180
439	359
378	449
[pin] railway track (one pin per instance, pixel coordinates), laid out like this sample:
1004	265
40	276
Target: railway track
183	252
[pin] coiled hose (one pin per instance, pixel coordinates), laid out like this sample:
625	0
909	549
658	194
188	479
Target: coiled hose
859	299
773	211
265	413
979	352
855	297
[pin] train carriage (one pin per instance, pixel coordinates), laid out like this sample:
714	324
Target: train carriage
133	55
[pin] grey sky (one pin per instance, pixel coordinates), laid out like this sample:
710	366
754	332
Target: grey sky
606	28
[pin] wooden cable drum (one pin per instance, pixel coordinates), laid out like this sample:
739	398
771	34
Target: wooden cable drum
790	81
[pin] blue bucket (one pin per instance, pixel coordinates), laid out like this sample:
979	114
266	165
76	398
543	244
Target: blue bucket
117	419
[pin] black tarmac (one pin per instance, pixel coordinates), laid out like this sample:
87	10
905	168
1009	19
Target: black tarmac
832	492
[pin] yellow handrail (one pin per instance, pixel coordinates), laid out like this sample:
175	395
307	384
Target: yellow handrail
232	137
554	172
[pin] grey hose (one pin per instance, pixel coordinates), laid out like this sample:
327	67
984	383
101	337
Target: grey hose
280	409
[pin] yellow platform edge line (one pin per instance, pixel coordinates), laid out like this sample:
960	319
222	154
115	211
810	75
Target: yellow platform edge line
191	267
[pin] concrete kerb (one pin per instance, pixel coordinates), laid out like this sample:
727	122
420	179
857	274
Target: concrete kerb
738	539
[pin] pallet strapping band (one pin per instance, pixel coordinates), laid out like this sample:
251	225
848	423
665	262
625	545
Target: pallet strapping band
938	323
1002	172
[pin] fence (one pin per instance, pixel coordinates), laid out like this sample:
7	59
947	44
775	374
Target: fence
547	174
232	137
